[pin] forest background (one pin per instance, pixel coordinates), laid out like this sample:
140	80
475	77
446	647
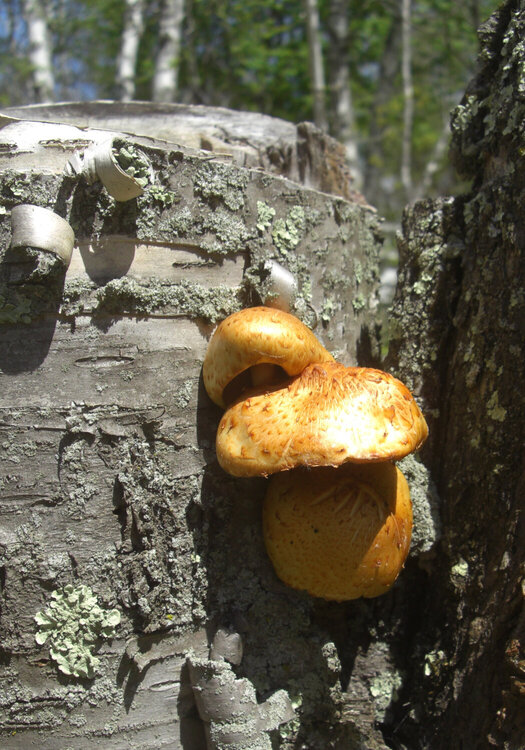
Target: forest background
381	77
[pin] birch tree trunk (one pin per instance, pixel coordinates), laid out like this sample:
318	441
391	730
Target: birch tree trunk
408	97
40	52
167	60
339	70
129	49
315	55
109	475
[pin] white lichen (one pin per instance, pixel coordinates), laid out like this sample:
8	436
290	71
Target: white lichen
73	625
460	569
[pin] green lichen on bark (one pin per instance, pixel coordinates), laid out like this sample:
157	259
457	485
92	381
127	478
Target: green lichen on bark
163	197
132	161
72	626
126	296
14	308
429	265
427	529
265	216
487	125
221	183
288	232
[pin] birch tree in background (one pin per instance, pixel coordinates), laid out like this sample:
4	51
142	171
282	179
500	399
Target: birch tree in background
165	79
315	57
129	49
375	156
343	126
40	50
434	163
408	97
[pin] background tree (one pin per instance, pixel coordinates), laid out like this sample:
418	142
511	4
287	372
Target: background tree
408	97
165	79
254	56
40	50
343	125
315	56
129	49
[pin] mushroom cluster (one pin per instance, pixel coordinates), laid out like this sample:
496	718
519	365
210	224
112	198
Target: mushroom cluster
337	516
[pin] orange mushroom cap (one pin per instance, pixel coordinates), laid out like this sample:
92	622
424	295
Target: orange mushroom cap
338	533
328	415
254	336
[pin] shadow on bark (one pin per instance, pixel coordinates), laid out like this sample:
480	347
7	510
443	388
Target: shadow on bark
31	286
312	648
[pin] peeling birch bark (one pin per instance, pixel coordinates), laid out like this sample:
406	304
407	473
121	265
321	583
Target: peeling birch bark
108	470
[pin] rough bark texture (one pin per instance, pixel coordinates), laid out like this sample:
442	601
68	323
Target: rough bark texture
109	477
459	315
300	152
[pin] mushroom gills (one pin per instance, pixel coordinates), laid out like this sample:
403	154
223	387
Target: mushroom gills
338	534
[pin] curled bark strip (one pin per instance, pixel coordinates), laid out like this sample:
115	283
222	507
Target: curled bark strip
229	709
34	226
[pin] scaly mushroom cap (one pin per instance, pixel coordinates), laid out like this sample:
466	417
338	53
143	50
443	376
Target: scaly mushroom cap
328	415
254	336
338	533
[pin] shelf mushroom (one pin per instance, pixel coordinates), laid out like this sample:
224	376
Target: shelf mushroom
337	516
326	416
249	341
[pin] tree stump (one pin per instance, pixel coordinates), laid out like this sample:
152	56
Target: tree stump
109	474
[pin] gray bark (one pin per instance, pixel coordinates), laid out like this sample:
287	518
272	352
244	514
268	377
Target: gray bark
109	477
167	60
458	319
301	152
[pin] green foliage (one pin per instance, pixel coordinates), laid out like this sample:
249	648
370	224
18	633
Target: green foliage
73	625
249	55
252	55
